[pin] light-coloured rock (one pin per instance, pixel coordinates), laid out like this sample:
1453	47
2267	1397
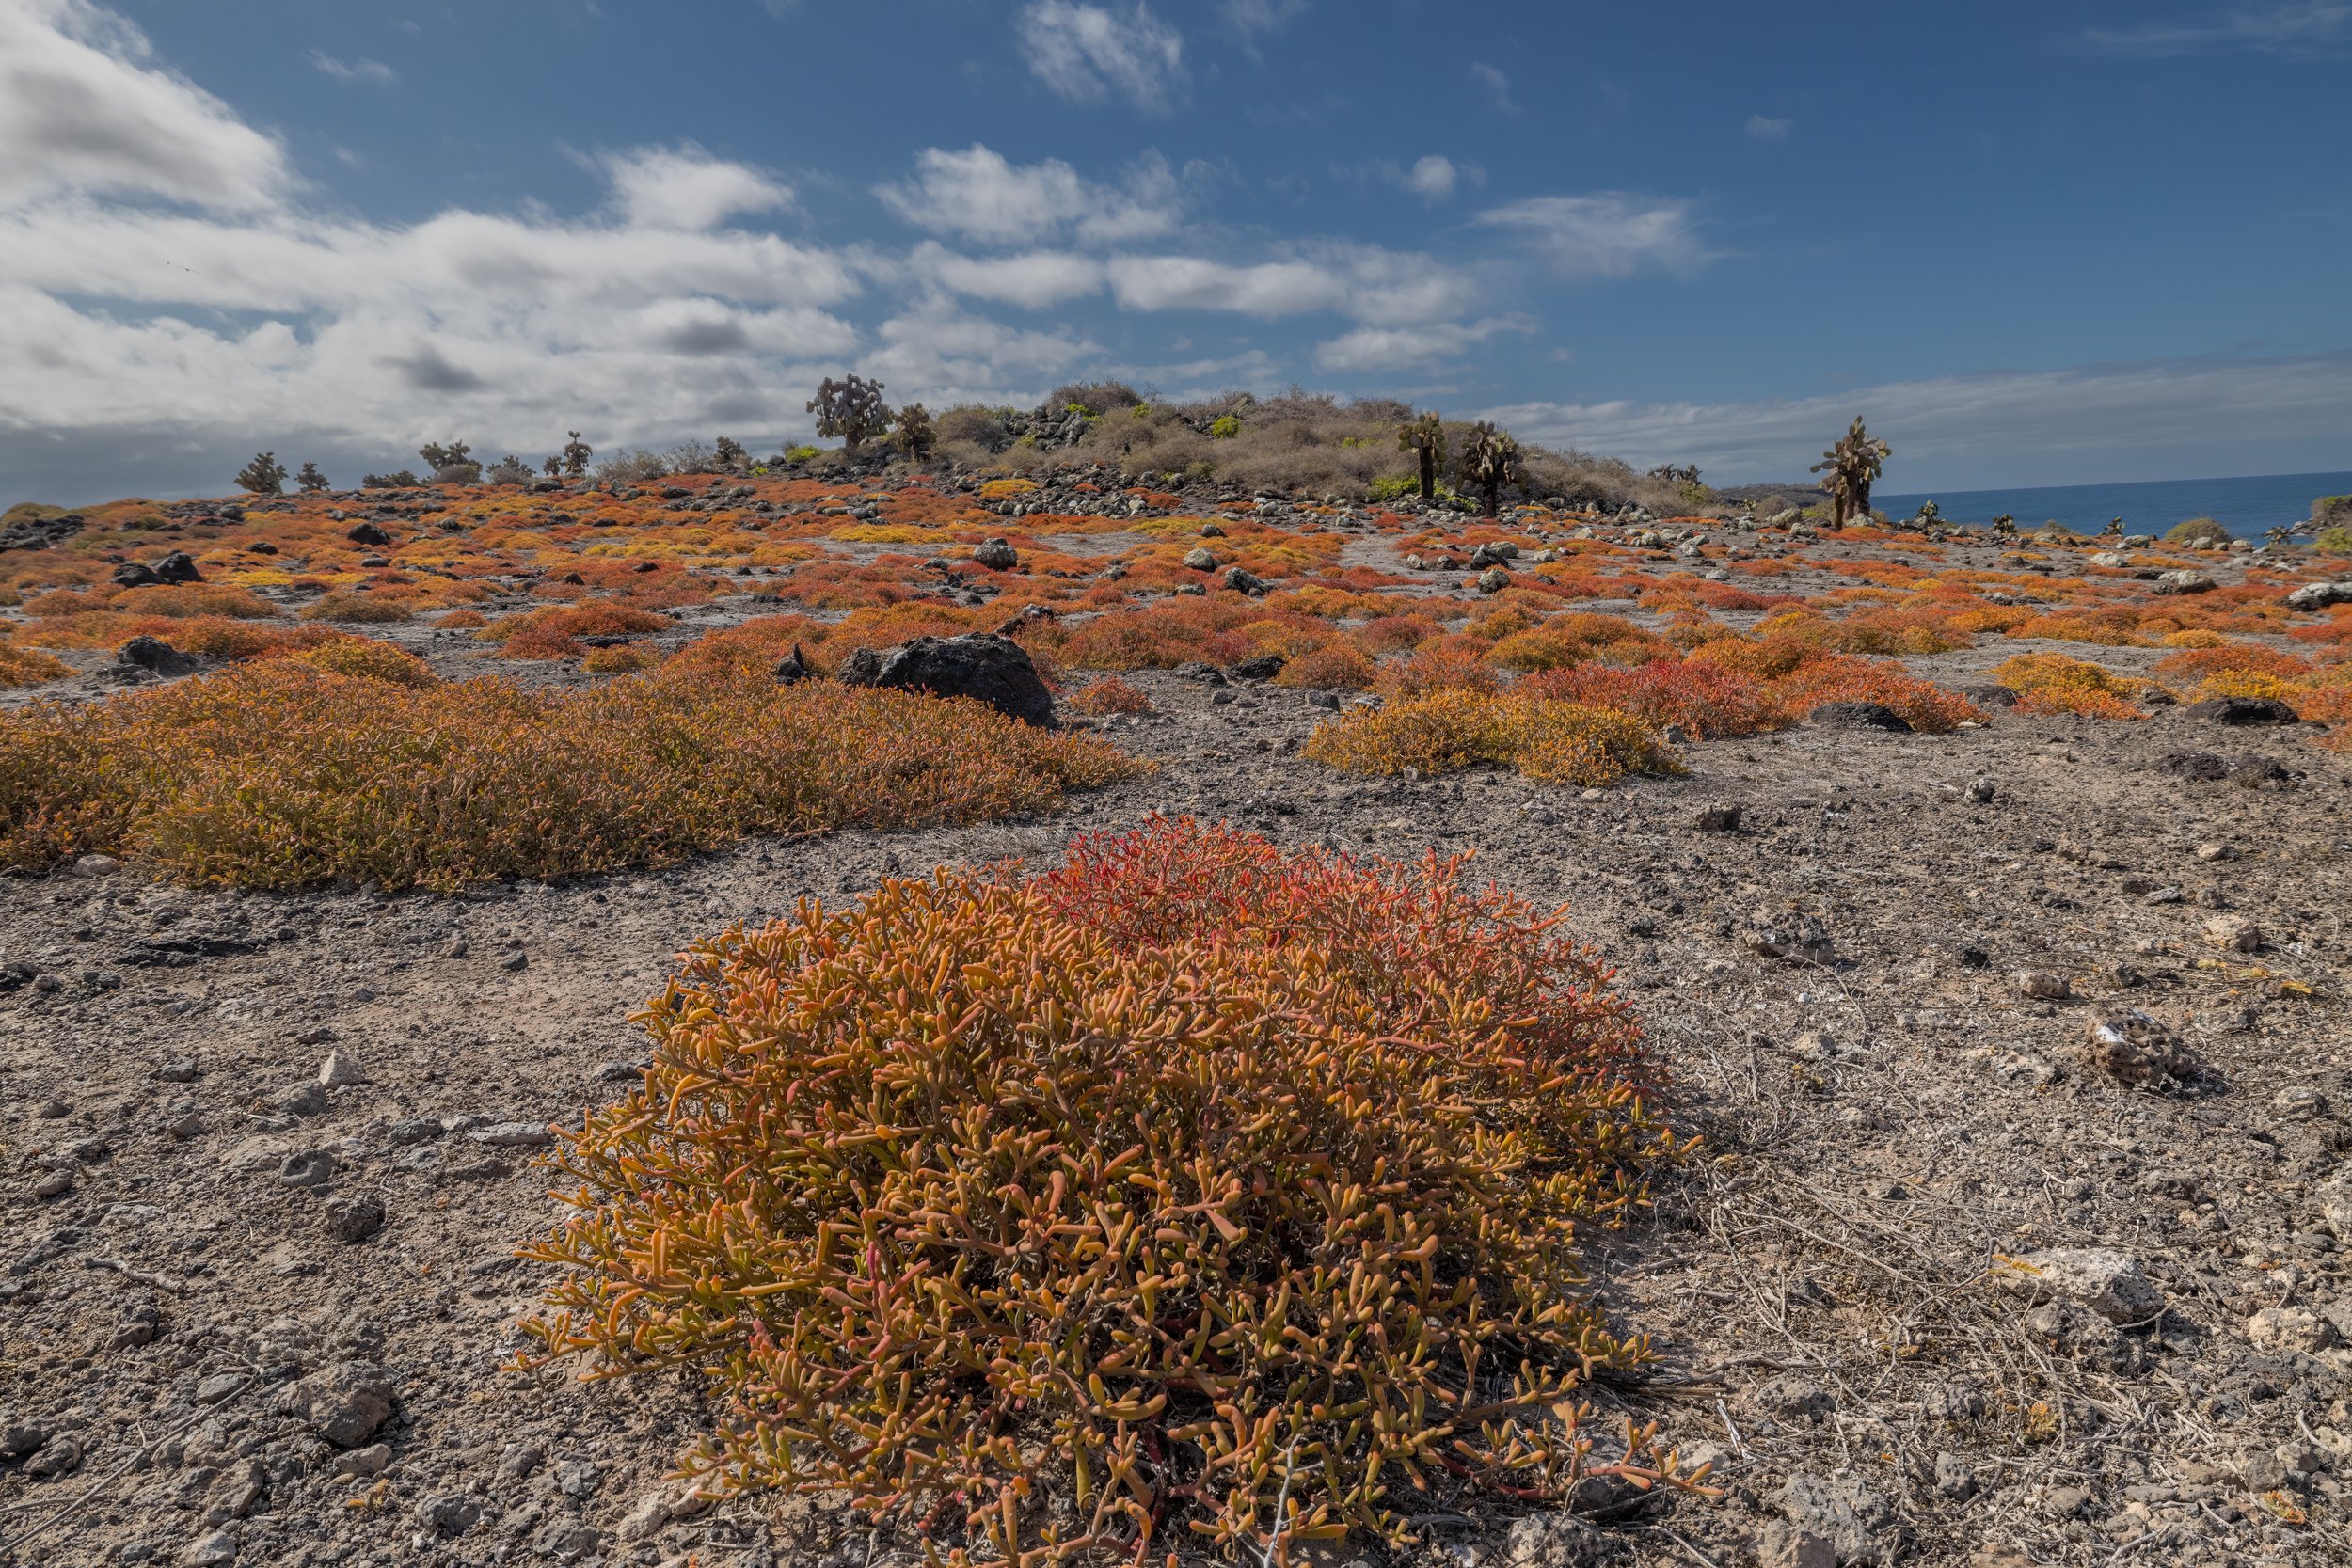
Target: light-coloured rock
2333	1200
2043	985
341	1070
2290	1328
2110	1283
2233	933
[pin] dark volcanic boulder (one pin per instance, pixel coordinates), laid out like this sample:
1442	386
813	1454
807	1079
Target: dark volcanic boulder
793	668
1985	694
2241	711
157	657
368	534
1264	667
178	567
132	574
1861	716
989	668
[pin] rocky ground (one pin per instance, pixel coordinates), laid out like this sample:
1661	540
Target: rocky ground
271	1156
1941	1286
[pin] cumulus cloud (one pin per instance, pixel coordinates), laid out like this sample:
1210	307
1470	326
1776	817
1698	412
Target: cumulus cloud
353	70
82	107
1382	348
1764	128
1363	281
982	195
685	187
2288	27
2039	426
1606	234
1033	279
1088	54
956	357
1497	85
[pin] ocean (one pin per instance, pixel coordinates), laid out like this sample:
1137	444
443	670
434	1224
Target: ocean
2245	506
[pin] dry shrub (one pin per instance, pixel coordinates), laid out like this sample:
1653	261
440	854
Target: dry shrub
2196	663
2053	683
1451	729
1189	1186
1575	638
369	659
624	659
1108	695
179	600
355	609
276	774
1339	667
1707	700
1445	663
29	667
575	620
1841	678
540	642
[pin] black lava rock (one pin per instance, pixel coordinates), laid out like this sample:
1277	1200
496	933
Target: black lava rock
1262	667
368	534
2241	711
157	657
178	567
993	670
1861	716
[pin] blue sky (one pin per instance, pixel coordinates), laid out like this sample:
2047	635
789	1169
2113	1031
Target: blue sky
2036	243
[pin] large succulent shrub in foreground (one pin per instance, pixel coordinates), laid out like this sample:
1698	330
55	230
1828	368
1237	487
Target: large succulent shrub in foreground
1191	1186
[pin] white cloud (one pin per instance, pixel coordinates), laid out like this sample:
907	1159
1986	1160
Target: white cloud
950	355
1497	86
1432	178
353	70
1381	348
1365	282
2034	426
978	194
1764	128
1197	283
2284	27
685	187
1606	234
1254	21
1034	279
83	108
1090	53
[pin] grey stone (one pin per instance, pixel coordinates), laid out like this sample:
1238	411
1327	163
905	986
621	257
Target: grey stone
514	1134
1554	1541
1786	1545
211	1550
308	1167
344	1403
1845	1513
352	1220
